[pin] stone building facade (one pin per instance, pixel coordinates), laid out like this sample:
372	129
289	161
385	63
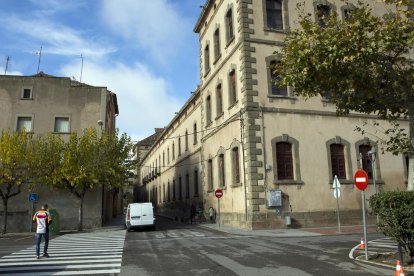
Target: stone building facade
42	104
273	154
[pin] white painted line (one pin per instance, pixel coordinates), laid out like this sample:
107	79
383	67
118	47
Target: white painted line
63	257
50	261
48	267
76	272
351	253
69	250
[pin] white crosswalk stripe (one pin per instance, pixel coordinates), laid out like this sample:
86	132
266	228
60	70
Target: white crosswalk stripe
70	254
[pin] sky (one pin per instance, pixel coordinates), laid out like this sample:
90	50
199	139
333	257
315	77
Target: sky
145	51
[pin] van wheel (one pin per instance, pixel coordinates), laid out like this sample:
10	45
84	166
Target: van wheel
128	229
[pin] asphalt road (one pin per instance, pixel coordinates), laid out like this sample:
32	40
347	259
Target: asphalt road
178	249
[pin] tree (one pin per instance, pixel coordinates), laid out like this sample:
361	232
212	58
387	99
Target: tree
364	63
395	211
92	160
14	167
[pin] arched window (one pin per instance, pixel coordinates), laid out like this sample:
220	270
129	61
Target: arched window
195	183
232	87
366	160
229	25
219	100
206	59
276	89
284	160
222	171
210	174
236	165
208	110
217	50
338	161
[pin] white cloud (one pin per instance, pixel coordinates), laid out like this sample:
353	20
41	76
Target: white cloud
154	25
57	39
47	7
142	97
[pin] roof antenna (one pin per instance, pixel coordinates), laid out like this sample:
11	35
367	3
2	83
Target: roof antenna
80	79
7	65
39	54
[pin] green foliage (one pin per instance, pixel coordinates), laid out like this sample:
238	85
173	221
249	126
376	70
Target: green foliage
362	61
396	217
14	166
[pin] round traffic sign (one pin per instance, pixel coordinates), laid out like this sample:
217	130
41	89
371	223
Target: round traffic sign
218	193
361	179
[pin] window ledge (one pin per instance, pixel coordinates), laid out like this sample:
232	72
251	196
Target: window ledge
229	41
209	124
288	182
217	59
56	132
281	31
207	72
326	100
25	99
219	116
210	191
236	185
233	104
282	97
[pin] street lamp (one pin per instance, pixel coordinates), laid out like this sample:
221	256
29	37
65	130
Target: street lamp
100	123
372	157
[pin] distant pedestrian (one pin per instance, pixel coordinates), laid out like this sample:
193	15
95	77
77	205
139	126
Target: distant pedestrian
211	213
193	213
43	220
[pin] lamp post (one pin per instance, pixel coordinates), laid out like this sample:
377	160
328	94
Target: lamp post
372	157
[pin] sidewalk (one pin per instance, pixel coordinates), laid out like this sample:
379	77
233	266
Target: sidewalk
291	232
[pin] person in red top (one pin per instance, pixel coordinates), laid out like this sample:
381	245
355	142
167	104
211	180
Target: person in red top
43	220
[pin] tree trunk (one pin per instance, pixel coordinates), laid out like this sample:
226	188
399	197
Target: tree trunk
4	230
410	172
80	219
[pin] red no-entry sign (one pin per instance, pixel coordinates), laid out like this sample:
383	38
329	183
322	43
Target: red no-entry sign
218	193
361	179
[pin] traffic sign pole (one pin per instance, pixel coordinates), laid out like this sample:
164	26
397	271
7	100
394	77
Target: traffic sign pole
365	225
218	193
336	187
361	181
218	203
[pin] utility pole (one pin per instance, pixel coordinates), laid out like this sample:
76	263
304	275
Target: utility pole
7	65
39	54
244	165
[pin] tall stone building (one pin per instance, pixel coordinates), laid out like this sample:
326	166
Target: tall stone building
42	104
272	153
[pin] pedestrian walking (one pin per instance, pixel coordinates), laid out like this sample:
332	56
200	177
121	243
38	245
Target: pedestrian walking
43	220
193	213
211	213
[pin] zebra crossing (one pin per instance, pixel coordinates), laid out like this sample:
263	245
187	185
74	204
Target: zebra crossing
70	254
377	246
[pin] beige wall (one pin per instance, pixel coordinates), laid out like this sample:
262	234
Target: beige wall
54	97
309	125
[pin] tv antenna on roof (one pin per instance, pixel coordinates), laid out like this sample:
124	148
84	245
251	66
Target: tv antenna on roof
80	79
7	65
39	54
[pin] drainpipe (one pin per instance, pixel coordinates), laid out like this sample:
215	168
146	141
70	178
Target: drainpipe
264	155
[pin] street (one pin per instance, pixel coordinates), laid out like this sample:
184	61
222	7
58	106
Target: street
177	249
181	249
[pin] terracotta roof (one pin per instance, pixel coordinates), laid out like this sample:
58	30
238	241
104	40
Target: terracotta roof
151	139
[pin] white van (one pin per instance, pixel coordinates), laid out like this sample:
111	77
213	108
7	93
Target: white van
140	215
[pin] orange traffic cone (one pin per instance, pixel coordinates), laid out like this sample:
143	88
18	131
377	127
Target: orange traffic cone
362	244
398	269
